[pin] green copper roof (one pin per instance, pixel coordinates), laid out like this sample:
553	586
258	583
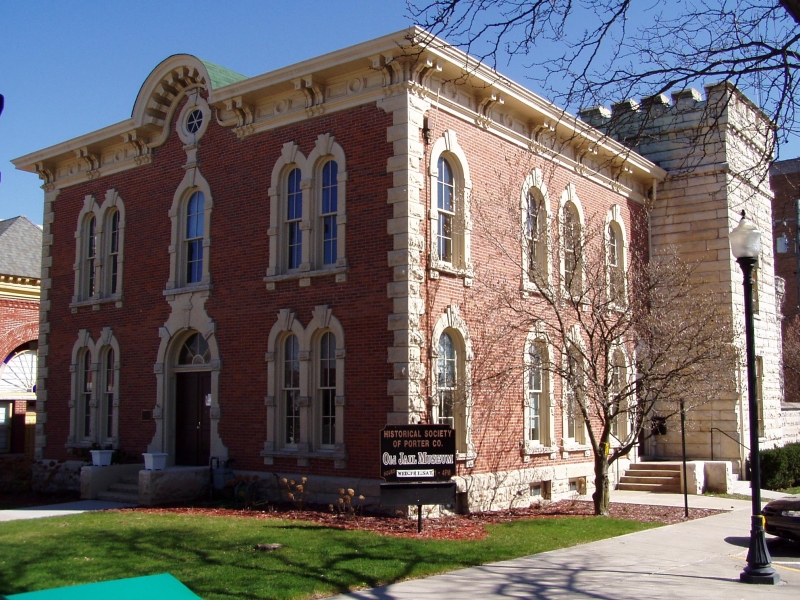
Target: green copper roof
220	76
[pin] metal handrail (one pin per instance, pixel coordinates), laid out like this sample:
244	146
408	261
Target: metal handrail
726	435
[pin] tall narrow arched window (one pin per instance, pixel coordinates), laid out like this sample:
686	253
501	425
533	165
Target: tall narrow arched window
446	206
113	253
574	395
86	394
535	237
109	392
195	220
447	383
535	392
619	408
616	272
294	216
291	390
328	211
91	255
327	389
571	248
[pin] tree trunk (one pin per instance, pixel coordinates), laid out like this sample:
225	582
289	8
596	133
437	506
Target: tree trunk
601	494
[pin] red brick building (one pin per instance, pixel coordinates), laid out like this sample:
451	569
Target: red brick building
785	183
270	270
20	257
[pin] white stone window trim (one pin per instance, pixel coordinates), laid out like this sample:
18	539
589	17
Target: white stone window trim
451	322
193	181
614	219
187	317
570	196
535	182
461	265
309	446
194	102
545	445
96	351
311	264
102	215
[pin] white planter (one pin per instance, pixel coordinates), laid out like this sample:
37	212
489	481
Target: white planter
155	461
101	458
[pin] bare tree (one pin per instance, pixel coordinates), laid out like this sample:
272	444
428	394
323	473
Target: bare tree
629	341
617	49
791	357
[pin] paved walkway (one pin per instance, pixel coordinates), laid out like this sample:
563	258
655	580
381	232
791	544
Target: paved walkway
59	510
696	559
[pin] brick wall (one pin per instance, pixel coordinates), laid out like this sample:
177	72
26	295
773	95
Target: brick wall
785	183
238	172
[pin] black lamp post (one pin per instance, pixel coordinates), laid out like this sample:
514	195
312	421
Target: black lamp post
746	246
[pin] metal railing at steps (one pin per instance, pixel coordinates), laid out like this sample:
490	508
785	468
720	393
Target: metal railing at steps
713	429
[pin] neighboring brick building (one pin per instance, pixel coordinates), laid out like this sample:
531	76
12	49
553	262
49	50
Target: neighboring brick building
20	258
271	269
785	183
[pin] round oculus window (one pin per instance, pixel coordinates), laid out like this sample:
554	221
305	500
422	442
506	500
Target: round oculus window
194	121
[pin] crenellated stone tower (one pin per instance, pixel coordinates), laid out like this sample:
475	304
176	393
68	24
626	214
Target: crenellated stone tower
716	152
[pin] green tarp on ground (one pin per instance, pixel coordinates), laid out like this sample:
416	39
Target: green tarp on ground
153	587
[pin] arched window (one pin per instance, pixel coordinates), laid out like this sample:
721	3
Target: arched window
537	395
109	394
86	395
574	397
536	237
447	387
193	241
294	216
291	390
326	389
329	211
89	257
113	253
446	206
451	398
616	272
619	406
99	250
449	218
571	248
195	351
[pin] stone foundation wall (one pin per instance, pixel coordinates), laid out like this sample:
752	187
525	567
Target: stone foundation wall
56	475
791	425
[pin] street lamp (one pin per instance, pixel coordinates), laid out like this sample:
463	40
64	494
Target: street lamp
746	246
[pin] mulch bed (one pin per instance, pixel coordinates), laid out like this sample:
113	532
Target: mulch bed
455	527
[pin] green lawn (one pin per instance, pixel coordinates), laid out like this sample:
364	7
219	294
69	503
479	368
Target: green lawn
214	556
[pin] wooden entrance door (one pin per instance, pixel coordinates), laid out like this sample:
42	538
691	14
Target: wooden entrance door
192	419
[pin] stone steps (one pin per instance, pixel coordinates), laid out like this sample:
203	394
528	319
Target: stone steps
652	477
119	497
126	490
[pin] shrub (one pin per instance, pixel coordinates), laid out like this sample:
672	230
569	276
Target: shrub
780	467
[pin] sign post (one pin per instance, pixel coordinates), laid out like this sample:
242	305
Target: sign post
417	462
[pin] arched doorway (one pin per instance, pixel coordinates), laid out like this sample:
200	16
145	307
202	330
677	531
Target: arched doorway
192	371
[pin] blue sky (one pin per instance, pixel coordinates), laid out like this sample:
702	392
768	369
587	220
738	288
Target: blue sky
70	67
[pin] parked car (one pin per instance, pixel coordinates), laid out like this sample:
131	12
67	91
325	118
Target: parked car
783	517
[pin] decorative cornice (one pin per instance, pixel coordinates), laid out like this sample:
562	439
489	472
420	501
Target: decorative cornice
409	60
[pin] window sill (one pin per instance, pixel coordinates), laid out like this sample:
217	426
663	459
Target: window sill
531	449
438	267
96	302
200	287
571	446
304	277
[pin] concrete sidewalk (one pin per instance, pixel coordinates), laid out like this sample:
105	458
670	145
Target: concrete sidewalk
59	510
696	559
